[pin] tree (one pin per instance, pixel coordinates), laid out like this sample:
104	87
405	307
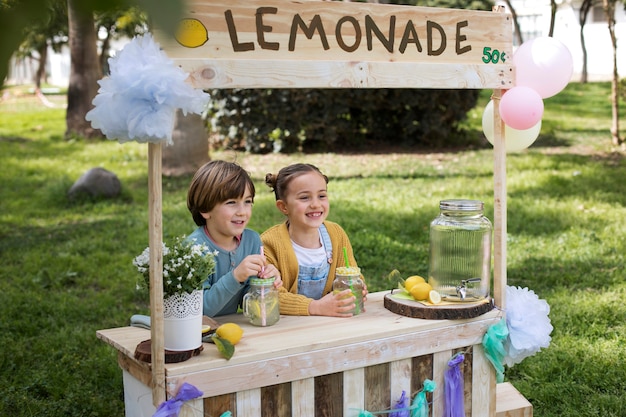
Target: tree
84	70
191	146
609	10
116	24
553	8
585	7
15	15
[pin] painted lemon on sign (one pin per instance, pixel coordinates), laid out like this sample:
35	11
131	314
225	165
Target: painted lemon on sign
191	33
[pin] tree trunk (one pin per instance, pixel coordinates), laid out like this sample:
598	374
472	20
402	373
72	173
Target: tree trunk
84	70
609	9
553	8
104	53
191	146
582	18
40	74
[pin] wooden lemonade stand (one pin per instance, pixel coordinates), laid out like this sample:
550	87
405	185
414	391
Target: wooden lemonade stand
323	366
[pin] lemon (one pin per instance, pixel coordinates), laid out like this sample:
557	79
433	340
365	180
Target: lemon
205	328
191	33
230	331
420	291
434	297
411	281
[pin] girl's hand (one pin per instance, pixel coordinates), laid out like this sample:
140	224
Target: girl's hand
271	271
333	304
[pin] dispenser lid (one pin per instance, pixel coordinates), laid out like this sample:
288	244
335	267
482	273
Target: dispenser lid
461	205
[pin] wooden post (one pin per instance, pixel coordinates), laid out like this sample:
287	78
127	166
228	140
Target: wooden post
499	200
155	230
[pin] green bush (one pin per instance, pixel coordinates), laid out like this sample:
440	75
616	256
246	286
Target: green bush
314	120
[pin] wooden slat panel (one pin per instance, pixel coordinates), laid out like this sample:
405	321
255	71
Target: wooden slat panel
439	34
288	368
329	395
353	391
400	379
219	404
249	403
467	379
422	369
483	384
510	403
377	387
192	408
372	45
440	365
140	370
207	74
303	398
276	400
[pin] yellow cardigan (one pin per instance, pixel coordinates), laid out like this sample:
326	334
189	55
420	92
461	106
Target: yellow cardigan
279	252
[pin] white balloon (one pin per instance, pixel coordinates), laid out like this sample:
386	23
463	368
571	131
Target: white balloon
514	139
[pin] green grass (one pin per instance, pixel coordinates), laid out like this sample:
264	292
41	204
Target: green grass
66	268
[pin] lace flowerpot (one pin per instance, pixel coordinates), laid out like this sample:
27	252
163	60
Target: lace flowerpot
182	321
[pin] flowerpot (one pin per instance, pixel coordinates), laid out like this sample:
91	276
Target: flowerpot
182	321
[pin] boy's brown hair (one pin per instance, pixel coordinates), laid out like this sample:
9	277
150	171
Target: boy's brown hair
214	183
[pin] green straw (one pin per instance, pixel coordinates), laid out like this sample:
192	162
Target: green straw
345	258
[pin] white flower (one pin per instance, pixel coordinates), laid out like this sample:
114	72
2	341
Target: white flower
185	266
528	323
138	101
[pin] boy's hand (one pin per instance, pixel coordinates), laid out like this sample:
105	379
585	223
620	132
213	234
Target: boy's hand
251	266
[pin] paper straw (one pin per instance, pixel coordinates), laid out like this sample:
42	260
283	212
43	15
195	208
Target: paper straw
345	256
263	312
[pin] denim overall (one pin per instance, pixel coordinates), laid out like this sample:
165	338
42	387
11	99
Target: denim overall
312	279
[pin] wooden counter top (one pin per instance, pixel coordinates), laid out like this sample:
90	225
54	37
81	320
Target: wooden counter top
301	347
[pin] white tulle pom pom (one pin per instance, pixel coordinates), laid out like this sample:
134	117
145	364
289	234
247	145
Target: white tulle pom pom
528	323
139	100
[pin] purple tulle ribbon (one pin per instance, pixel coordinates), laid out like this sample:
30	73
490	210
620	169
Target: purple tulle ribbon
454	405
171	407
401	408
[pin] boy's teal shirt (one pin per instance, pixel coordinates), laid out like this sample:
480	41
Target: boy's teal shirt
223	294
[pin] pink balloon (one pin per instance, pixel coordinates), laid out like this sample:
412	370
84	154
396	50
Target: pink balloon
514	140
521	108
543	64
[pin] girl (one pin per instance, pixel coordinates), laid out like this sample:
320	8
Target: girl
307	248
220	200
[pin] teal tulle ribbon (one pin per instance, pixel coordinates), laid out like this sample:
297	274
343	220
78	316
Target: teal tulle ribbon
493	344
419	407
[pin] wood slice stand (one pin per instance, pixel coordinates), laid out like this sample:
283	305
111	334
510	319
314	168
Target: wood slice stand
143	352
455	311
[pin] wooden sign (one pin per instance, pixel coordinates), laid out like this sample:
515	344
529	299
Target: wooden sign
324	44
